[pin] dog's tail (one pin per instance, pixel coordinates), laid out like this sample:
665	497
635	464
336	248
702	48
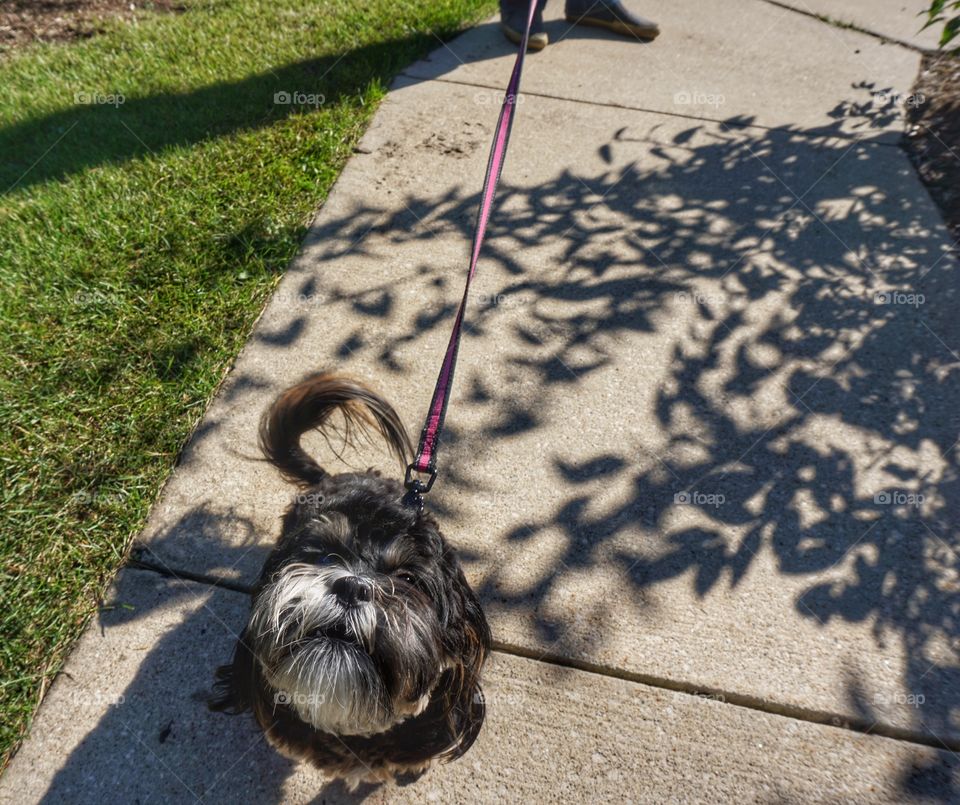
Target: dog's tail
308	405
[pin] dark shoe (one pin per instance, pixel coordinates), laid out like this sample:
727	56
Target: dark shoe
612	15
513	19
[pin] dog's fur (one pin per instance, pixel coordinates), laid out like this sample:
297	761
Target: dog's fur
365	643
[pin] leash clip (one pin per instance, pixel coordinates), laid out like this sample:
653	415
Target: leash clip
412	483
416	489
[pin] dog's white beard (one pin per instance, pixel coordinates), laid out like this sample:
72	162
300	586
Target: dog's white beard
332	685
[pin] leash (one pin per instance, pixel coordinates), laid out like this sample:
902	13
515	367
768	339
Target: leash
425	461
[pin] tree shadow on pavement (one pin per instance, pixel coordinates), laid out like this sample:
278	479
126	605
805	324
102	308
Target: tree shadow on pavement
809	405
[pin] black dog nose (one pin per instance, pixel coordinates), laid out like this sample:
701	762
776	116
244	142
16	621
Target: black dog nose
352	590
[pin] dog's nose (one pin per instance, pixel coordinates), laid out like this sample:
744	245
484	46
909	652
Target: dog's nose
352	590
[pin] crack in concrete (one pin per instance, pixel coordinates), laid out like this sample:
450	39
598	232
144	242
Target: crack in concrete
725	125
761	705
852	26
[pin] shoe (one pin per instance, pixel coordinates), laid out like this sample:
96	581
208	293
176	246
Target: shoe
513	20
612	15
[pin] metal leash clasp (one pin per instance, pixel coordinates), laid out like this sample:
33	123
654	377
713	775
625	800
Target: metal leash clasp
416	489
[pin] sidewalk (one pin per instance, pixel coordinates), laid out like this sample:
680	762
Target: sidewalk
702	463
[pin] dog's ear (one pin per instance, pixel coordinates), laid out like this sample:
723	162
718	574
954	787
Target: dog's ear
468	636
235	688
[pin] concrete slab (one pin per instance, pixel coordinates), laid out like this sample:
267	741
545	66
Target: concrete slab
736	60
704	428
126	722
898	20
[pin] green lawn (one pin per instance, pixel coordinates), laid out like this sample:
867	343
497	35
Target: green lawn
138	242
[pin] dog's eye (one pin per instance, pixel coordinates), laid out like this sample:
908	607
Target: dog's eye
406	577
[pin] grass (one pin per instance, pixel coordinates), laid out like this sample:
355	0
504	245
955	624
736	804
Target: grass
138	243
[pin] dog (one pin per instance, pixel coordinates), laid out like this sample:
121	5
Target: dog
364	645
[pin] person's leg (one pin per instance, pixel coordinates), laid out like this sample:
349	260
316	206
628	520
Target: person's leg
610	14
513	19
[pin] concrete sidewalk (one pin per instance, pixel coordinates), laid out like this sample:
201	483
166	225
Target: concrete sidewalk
703	454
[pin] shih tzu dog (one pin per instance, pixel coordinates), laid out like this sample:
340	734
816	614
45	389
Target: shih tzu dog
364	645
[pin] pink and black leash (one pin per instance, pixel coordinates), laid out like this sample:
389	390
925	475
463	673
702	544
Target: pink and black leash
425	461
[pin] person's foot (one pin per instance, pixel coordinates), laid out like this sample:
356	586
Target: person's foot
513	20
612	15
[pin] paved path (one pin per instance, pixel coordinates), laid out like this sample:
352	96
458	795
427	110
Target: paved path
703	465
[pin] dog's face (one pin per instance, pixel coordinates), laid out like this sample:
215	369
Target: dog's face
361	608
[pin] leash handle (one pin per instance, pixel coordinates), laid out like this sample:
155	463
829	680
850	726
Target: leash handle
425	461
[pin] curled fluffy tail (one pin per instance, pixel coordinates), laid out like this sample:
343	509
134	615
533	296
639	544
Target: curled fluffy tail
309	405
